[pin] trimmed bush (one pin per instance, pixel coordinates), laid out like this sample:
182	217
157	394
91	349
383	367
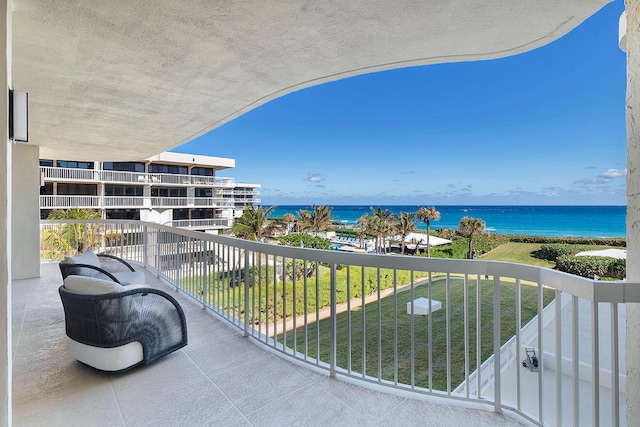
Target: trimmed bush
590	266
306	240
459	248
606	241
554	251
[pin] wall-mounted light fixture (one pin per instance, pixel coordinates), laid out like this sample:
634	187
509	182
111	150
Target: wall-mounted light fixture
18	116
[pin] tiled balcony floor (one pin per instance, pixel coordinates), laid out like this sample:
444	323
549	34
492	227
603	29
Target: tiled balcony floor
220	378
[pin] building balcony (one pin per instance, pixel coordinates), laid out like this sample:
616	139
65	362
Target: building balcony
119	177
219	378
196	224
262	351
112	202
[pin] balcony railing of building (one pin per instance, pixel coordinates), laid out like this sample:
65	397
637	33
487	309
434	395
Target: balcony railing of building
121	177
201	223
72	201
451	329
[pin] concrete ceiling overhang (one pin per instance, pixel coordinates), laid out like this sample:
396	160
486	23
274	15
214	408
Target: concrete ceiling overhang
128	79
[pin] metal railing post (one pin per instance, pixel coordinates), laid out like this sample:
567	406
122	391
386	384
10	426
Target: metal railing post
158	258
247	281
497	402
145	242
332	328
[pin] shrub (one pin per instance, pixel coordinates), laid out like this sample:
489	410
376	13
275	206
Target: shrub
618	269
590	266
459	248
300	268
553	251
606	241
306	240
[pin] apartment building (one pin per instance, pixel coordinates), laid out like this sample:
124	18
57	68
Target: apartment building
175	189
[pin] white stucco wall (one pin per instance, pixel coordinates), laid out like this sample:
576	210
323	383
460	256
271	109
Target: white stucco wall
5	219
25	211
633	207
151	215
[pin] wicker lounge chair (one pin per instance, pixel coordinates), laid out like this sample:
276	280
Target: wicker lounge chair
102	266
116	328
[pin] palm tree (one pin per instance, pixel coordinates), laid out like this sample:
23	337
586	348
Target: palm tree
376	226
427	215
316	220
470	227
363	227
383	225
254	224
74	238
405	224
290	220
381	213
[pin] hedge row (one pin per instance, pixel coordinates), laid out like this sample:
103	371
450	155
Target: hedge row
591	266
598	241
306	241
459	248
554	251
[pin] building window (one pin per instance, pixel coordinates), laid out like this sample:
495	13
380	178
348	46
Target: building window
171	169
123	214
202	171
47	189
168	192
204	192
72	189
74	165
180	214
45	162
202	214
123	166
123	190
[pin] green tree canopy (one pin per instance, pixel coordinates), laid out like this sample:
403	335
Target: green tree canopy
405	224
316	220
71	239
254	224
427	215
470	227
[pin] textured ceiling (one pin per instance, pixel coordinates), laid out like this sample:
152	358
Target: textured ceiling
127	79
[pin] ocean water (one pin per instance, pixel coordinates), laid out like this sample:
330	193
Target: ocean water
554	221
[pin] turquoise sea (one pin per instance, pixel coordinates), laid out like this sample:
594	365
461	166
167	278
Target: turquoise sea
555	221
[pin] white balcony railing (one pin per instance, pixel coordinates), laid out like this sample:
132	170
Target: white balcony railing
64	202
347	313
120	177
222	223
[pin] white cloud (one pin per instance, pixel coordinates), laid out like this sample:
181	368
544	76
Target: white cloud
614	173
314	177
604	178
593	181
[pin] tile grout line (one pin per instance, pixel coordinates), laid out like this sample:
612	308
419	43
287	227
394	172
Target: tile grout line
115	395
24	316
217	387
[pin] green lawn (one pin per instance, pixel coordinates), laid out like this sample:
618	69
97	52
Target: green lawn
402	333
276	301
522	253
273	306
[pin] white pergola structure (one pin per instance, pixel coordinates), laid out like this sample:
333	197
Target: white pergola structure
127	80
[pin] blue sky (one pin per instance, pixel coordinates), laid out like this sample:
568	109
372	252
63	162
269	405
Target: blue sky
542	128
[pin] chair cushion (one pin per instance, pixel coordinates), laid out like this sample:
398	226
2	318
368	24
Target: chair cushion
87	257
91	286
130	277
